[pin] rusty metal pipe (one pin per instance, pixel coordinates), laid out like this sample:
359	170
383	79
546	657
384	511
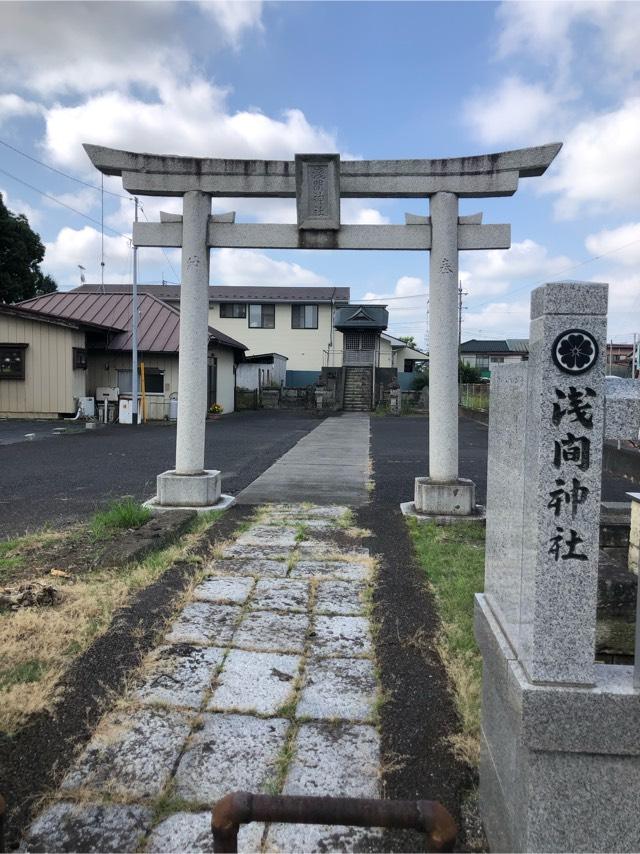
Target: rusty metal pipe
237	808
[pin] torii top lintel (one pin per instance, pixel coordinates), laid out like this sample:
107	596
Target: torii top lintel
468	177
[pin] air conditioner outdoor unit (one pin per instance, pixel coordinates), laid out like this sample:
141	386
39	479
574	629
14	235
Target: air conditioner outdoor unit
87	406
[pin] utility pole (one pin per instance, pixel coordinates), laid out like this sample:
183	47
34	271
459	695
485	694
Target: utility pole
461	294
134	331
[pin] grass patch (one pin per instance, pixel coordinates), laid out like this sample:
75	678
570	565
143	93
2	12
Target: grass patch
39	643
453	560
125	513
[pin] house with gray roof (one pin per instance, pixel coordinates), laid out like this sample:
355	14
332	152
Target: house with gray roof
482	354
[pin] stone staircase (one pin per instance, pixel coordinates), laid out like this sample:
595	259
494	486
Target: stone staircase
357	390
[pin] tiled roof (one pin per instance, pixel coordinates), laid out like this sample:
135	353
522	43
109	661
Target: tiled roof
158	328
504	345
234	293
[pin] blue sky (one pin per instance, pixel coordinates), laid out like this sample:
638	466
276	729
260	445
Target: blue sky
373	80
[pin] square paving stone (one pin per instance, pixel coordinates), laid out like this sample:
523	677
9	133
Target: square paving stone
335	759
340	760
257	567
255	682
341	636
202	622
334	596
180	674
268	535
321	838
310	549
346	570
256	552
338	688
89	827
191	831
224	589
281	594
268	631
229	753
132	753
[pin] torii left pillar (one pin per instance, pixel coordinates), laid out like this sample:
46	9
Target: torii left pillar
190	484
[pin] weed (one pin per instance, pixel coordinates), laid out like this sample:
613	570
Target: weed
126	513
453	560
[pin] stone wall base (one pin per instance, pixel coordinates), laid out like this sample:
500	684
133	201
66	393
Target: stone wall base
181	490
433	498
556	759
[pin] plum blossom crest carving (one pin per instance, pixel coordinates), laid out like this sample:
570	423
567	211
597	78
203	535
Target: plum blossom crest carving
575	351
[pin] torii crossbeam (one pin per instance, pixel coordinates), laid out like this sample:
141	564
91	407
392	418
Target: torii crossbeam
318	182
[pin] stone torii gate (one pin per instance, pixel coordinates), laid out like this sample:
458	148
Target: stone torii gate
318	182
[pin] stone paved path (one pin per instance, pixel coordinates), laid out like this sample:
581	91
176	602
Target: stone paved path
328	465
265	681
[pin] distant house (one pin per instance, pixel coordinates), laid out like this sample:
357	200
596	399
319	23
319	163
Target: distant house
294	321
395	353
262	371
482	354
97	327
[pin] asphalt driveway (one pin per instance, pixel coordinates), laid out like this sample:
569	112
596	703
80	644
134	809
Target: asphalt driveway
61	479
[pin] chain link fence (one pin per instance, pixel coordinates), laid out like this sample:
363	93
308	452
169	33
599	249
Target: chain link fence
474	396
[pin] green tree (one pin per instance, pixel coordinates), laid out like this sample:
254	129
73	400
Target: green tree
409	340
420	379
21	253
467	374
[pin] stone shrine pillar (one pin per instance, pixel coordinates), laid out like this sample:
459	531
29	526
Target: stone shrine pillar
443	493
189	484
559	743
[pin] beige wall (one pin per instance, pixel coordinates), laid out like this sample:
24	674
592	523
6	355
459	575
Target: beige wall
51	384
303	347
226	378
103	368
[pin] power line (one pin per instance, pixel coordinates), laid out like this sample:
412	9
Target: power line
60	172
164	251
64	204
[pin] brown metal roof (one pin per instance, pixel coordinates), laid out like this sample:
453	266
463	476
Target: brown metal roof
158	327
27	314
234	293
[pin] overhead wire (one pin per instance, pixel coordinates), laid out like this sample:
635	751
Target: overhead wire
60	172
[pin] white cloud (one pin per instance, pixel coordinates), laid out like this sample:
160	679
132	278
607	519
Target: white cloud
356	212
495	271
82	200
597	170
623	243
196	116
250	267
83	246
12	105
407	315
17	206
82	47
497	320
516	111
234	16
562	33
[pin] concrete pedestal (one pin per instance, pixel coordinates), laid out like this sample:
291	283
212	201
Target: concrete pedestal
435	498
195	490
556	758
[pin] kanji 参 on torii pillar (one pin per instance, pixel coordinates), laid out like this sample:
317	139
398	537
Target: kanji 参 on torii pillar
318	182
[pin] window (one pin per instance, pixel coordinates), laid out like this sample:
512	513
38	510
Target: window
12	361
498	359
80	358
304	316
482	362
153	381
233	309
262	316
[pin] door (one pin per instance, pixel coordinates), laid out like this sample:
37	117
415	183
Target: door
212	381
